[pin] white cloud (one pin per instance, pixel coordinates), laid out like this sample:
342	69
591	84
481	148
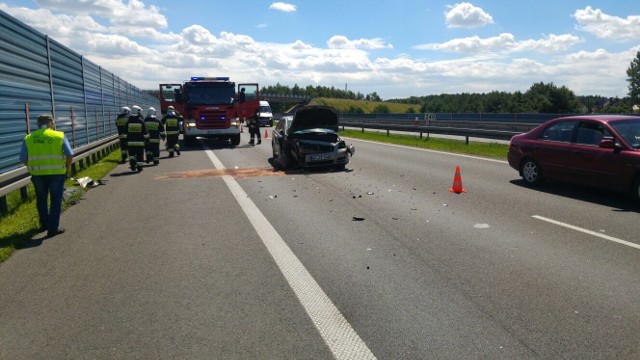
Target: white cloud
467	15
133	13
609	27
550	44
144	55
299	45
342	42
473	44
505	42
284	7
198	35
56	26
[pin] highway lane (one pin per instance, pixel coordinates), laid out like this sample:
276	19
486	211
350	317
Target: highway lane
552	290
426	274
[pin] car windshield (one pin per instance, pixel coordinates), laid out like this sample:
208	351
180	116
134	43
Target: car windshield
629	130
209	94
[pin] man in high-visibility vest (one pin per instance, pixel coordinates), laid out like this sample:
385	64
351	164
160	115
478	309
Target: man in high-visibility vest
48	156
121	125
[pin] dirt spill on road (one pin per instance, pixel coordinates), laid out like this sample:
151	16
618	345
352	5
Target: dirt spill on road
237	173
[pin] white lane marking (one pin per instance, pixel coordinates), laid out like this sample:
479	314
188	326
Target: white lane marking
337	333
572	227
428	150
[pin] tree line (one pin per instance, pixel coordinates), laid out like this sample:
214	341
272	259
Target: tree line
539	98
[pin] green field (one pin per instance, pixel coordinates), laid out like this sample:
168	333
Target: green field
484	149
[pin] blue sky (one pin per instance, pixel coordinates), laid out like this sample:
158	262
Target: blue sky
395	48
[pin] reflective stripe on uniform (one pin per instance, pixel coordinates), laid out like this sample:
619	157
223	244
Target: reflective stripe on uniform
135	143
47	167
44	157
154	141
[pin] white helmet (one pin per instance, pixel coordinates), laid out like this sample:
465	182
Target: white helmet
126	110
171	108
151	112
136	110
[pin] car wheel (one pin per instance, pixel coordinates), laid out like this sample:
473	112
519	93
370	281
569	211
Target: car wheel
189	140
235	140
531	173
273	151
635	190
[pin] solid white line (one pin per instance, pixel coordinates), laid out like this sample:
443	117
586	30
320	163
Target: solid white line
334	329
603	236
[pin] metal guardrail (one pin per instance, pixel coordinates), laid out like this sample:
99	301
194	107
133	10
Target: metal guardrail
495	131
19	179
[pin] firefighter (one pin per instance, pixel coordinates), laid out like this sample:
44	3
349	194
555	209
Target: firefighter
171	122
137	137
156	132
121	124
254	129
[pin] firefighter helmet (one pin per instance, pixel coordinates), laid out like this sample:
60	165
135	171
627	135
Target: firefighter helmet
171	108
136	110
151	112
126	110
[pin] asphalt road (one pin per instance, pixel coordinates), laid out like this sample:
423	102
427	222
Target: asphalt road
214	255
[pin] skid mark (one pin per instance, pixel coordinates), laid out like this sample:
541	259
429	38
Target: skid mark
237	173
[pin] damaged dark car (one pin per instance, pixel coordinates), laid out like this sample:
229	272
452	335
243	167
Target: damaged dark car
310	139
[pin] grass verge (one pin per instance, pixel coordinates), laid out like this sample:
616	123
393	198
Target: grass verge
21	222
485	149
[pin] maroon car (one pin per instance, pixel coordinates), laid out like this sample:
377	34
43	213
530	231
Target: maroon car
601	151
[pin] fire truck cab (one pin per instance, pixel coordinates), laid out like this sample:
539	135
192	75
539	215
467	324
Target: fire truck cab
211	107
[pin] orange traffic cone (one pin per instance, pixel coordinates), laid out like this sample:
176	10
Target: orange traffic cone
457	183
266	134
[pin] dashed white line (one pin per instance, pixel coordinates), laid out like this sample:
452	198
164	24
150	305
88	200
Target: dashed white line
334	329
590	232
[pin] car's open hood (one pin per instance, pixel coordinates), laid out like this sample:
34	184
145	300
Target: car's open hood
314	117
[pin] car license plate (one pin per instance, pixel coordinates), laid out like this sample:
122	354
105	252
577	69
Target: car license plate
213	132
319	157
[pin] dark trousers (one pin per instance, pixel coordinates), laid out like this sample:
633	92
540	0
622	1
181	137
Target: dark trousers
172	143
254	131
153	152
136	157
123	149
49	187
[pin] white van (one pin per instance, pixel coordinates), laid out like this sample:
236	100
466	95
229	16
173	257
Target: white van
265	116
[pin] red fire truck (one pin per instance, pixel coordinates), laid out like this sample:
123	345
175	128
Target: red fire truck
211	107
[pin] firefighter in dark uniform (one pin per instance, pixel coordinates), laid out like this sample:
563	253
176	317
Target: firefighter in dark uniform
254	129
171	122
137	137
121	125
156	132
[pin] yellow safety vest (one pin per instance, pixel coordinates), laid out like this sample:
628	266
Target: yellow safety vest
44	152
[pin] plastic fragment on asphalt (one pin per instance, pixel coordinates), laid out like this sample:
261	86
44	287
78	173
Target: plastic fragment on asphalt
481	226
355	218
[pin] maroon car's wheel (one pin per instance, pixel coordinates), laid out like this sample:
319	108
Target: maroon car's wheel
531	172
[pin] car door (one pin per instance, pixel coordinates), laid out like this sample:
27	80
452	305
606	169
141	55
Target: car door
591	164
278	137
553	148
